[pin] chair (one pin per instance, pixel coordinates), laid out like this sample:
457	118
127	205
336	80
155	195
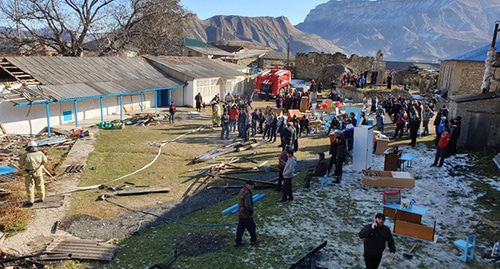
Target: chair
467	246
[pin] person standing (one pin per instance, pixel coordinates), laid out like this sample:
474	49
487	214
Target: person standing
172	109
255	118
414	126
233	117
261	117
288	173
389	82
268	119
33	162
225	126
283	158
320	170
379	118
199	102
427	115
375	236
245	215
440	127
287	133
340	158
444	140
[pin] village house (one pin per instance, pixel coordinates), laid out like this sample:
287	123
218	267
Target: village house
47	91
463	74
202	75
461	78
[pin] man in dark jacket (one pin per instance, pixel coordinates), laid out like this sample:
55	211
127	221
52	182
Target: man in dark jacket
340	158
199	102
414	125
288	136
320	170
245	214
374	237
172	109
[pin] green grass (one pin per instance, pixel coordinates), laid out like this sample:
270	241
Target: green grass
155	245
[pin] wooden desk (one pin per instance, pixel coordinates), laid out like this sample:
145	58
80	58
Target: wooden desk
413	214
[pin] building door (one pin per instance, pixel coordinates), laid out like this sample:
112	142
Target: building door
164	98
477	132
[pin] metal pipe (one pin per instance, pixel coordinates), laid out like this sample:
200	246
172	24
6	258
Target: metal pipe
102	111
495	34
156	102
47	113
142	101
75	105
121	107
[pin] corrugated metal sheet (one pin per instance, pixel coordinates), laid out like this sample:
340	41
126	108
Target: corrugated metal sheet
199	67
79	249
476	55
73	77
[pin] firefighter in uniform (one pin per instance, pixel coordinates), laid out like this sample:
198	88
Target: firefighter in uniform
33	162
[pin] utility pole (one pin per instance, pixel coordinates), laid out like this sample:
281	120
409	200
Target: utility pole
288	54
490	58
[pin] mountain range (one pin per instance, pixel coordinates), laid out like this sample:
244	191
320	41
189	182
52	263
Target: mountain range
417	30
265	32
411	30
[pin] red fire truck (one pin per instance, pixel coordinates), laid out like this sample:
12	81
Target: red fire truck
273	82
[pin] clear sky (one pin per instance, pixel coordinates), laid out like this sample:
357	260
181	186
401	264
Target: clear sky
294	10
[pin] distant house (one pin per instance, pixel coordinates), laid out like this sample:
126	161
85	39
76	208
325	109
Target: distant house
36	92
275	58
202	75
196	48
463	74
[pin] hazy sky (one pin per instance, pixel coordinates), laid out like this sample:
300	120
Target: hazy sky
295	10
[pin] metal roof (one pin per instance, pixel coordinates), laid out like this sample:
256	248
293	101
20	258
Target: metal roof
199	67
73	77
476	55
475	97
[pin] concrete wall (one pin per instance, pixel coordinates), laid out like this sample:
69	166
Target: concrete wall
310	65
487	133
461	78
17	120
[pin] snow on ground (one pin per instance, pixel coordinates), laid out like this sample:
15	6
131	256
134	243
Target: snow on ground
337	213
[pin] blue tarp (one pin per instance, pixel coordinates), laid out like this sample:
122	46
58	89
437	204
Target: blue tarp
7	170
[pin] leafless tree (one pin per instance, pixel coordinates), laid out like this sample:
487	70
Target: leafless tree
67	26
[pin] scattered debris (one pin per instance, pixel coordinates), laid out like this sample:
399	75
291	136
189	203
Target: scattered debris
53	130
51	141
73	248
233	147
75	168
134	191
53	201
409	255
7	174
308	260
144	119
196	244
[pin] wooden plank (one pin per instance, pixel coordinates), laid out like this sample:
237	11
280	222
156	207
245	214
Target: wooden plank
141	191
300	262
414	230
252	180
388	182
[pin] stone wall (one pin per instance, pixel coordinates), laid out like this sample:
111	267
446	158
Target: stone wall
461	78
480	123
310	65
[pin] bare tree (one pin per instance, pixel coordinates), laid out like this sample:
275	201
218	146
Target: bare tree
68	25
